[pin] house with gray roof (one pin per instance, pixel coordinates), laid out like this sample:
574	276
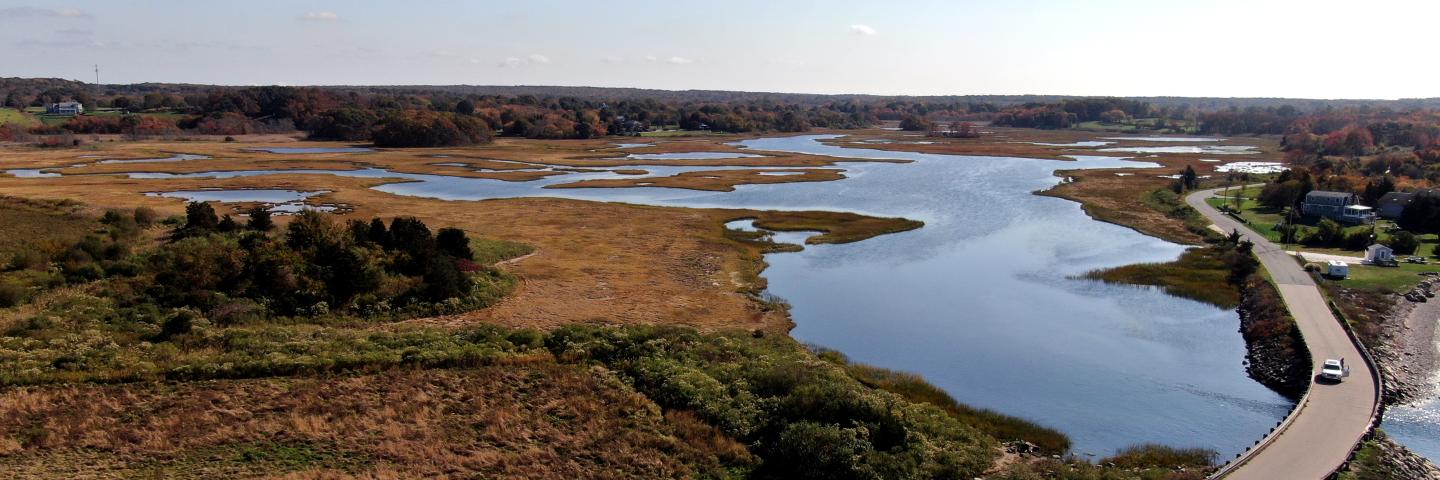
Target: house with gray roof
1342	207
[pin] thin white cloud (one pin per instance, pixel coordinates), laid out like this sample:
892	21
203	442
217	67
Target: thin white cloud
611	59
326	17
532	59
862	30
669	60
33	12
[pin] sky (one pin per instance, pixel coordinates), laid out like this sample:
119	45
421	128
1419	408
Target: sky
1224	48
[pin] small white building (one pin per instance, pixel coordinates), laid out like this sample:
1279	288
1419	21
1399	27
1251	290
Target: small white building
1378	254
1337	269
65	108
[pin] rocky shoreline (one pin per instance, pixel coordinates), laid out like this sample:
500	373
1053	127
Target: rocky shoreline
1405	348
1383	458
1275	353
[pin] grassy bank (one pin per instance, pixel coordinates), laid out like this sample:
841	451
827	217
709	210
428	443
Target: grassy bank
1199	274
914	388
10	115
836	227
1214	273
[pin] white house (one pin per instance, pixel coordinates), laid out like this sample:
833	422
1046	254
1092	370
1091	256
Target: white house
1378	254
65	108
1338	269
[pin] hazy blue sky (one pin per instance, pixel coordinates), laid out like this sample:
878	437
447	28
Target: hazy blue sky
1315	49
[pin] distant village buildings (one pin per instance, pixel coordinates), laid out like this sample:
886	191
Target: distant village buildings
65	108
1338	206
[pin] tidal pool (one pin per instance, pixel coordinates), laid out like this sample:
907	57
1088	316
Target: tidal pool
32	173
1090	143
279	201
312	149
179	157
1200	149
1167	139
1252	167
690	156
796	237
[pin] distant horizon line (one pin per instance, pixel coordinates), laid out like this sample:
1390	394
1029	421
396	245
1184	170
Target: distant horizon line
757	92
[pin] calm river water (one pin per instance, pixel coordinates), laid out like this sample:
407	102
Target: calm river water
983	301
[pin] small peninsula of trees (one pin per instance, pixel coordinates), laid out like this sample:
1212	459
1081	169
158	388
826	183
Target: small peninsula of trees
316	266
232	270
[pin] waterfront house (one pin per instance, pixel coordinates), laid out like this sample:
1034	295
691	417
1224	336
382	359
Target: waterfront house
1338	206
65	108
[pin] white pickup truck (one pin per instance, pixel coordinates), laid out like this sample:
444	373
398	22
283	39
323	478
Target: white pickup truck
1335	370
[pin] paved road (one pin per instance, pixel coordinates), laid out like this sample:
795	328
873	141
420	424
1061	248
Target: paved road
1336	416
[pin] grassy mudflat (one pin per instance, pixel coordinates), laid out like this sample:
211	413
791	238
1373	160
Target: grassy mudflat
835	227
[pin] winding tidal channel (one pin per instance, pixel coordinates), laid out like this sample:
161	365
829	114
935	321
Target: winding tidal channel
984	300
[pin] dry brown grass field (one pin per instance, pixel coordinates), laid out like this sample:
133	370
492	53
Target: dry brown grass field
538	420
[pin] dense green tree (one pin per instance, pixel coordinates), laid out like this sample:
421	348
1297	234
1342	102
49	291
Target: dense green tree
311	231
1189	179
1422	215
443	279
379	234
453	242
1327	232
423	128
465	107
914	123
260	220
1375	189
349	124
227	224
200	217
1403	242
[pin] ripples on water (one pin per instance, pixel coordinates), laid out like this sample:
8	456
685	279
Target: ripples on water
1417	425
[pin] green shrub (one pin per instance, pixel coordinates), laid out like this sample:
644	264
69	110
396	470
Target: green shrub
1160	456
12	293
145	216
179	323
758	389
1403	242
809	450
